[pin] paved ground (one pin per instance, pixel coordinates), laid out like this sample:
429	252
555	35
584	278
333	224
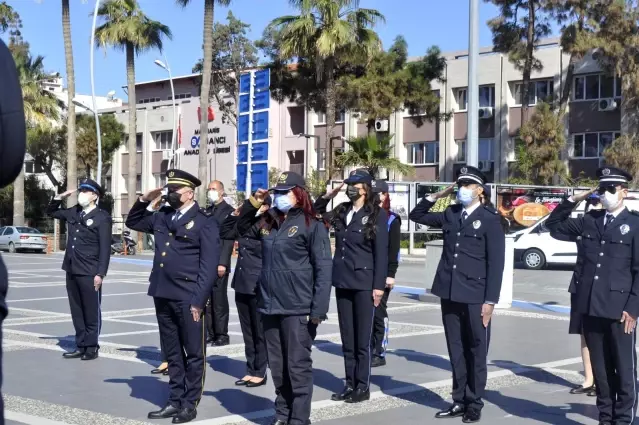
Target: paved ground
533	362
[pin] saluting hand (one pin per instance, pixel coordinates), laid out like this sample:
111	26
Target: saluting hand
221	270
151	194
196	312
333	192
260	194
97	282
67	193
444	193
581	196
631	322
487	313
377	296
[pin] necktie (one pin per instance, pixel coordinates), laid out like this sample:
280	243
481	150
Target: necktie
82	214
609	219
464	216
177	216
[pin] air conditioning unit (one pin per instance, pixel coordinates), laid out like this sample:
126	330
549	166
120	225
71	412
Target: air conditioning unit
485	113
485	165
166	155
381	126
606	105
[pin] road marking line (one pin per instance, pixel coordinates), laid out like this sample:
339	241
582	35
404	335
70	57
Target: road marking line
64	298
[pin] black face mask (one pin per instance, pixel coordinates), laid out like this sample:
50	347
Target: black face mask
174	200
353	193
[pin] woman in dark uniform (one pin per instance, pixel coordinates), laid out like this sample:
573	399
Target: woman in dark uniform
247	273
359	276
294	290
379	340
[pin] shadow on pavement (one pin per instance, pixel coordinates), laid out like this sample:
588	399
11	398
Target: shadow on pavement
148	388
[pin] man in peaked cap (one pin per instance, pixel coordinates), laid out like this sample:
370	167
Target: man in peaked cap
187	251
468	282
607	295
86	261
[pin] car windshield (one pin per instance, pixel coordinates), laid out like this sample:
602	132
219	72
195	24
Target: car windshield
27	230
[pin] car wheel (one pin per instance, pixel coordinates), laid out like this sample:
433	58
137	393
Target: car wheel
12	248
534	259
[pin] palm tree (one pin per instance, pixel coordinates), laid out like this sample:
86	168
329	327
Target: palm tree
41	110
127	28
71	145
205	87
373	153
328	32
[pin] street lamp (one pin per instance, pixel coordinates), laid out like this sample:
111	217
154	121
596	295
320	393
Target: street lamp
93	110
472	132
95	103
165	65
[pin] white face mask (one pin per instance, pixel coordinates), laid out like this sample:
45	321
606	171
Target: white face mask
610	201
84	199
213	196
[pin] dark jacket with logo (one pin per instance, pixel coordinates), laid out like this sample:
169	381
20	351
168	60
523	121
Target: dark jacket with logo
186	252
296	263
609	281
221	211
88	249
472	264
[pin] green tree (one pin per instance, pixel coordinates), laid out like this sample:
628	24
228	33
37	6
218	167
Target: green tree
112	133
126	27
624	153
47	147
516	32
9	19
205	87
233	52
273	175
329	32
373	153
70	73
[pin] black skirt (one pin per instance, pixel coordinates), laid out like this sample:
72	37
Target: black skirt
576	323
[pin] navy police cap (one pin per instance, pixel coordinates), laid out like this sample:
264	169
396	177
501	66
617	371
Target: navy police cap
92	185
288	180
470	174
360	175
380	186
180	178
612	176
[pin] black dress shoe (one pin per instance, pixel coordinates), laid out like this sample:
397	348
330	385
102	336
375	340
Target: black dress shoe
346	392
454	411
210	339
358	396
184	416
79	352
378	361
167	412
278	422
166	372
251	384
582	390
241	383
90	354
221	341
471	416
158	371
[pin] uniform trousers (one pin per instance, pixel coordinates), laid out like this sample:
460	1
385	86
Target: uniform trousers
218	321
614	365
253	334
4	285
84	302
467	340
185	345
380	326
355	311
288	343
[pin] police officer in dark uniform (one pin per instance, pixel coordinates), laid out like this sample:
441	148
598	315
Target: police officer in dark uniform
468	281
217	323
359	276
86	261
12	148
245	277
294	290
187	250
608	291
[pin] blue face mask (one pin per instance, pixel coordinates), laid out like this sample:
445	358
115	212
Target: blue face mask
465	196
282	202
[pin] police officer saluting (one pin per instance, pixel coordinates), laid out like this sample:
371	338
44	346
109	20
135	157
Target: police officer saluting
187	250
468	281
86	261
608	290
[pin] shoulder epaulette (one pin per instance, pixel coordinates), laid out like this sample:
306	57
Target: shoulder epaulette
633	212
490	209
205	212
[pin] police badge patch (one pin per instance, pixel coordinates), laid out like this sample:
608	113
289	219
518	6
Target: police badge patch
624	229
89	222
189	225
264	232
605	172
464	170
476	224
364	220
292	231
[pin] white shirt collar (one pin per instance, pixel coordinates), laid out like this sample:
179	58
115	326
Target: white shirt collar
88	209
472	209
185	209
616	213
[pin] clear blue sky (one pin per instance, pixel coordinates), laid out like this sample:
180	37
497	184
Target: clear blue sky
422	22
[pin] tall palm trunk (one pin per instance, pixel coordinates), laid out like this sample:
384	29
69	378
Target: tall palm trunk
18	200
133	131
205	89
71	146
331	99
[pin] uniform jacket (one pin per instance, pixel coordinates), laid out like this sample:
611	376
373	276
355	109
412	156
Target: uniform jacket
359	263
88	249
296	263
576	274
186	252
472	264
221	211
609	282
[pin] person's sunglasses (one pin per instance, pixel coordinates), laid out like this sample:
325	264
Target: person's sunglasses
610	189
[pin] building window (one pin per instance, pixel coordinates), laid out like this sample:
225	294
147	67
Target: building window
462	99
592	145
539	91
138	183
484	150
149	100
322	163
486	97
181	96
598	86
106	184
296	118
160	179
138	143
423	153
31	167
163	140
340	117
